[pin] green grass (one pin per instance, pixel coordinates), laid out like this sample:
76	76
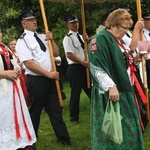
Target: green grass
79	133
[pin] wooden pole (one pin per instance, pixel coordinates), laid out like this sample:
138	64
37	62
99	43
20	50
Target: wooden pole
85	42
138	3
51	51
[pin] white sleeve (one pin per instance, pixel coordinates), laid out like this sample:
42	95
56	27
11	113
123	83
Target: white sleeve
126	40
103	81
23	52
68	45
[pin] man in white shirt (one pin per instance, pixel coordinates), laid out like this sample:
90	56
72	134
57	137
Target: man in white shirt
33	52
102	23
74	50
146	35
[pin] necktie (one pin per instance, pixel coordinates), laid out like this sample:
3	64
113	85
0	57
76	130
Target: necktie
42	46
80	40
149	34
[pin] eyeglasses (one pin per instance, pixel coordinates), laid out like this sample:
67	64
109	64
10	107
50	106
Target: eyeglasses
125	28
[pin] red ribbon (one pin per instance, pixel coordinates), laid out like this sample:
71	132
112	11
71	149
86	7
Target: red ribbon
135	82
18	135
133	77
24	89
5	53
137	85
15	114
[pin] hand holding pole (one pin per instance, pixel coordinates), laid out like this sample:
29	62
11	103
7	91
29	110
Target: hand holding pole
51	51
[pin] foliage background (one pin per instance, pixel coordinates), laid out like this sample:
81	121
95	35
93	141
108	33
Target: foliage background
56	14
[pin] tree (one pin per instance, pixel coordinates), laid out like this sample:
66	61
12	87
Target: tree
56	14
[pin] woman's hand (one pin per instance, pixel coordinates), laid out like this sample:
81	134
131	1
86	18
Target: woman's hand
12	74
18	70
137	58
113	94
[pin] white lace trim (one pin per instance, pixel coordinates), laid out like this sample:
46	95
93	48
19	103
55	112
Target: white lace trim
102	78
8	139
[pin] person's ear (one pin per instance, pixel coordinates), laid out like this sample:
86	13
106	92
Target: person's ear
67	24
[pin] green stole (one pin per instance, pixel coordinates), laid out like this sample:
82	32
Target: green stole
110	58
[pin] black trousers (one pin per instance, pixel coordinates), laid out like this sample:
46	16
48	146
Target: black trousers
148	72
42	92
78	81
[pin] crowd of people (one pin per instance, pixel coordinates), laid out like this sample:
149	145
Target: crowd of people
27	81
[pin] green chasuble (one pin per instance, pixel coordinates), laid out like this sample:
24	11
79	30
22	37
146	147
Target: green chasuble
110	58
106	56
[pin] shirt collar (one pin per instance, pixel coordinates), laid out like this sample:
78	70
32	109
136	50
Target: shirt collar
29	32
72	32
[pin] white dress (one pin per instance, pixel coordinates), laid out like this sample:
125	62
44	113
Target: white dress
16	129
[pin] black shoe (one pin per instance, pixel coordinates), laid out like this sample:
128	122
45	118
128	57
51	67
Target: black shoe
65	143
33	147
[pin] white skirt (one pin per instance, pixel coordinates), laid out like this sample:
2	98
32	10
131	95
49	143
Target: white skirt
16	129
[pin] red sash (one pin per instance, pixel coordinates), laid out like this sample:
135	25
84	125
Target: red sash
6	54
18	135
133	76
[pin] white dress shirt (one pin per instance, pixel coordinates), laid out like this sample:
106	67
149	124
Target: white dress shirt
72	44
28	49
146	35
